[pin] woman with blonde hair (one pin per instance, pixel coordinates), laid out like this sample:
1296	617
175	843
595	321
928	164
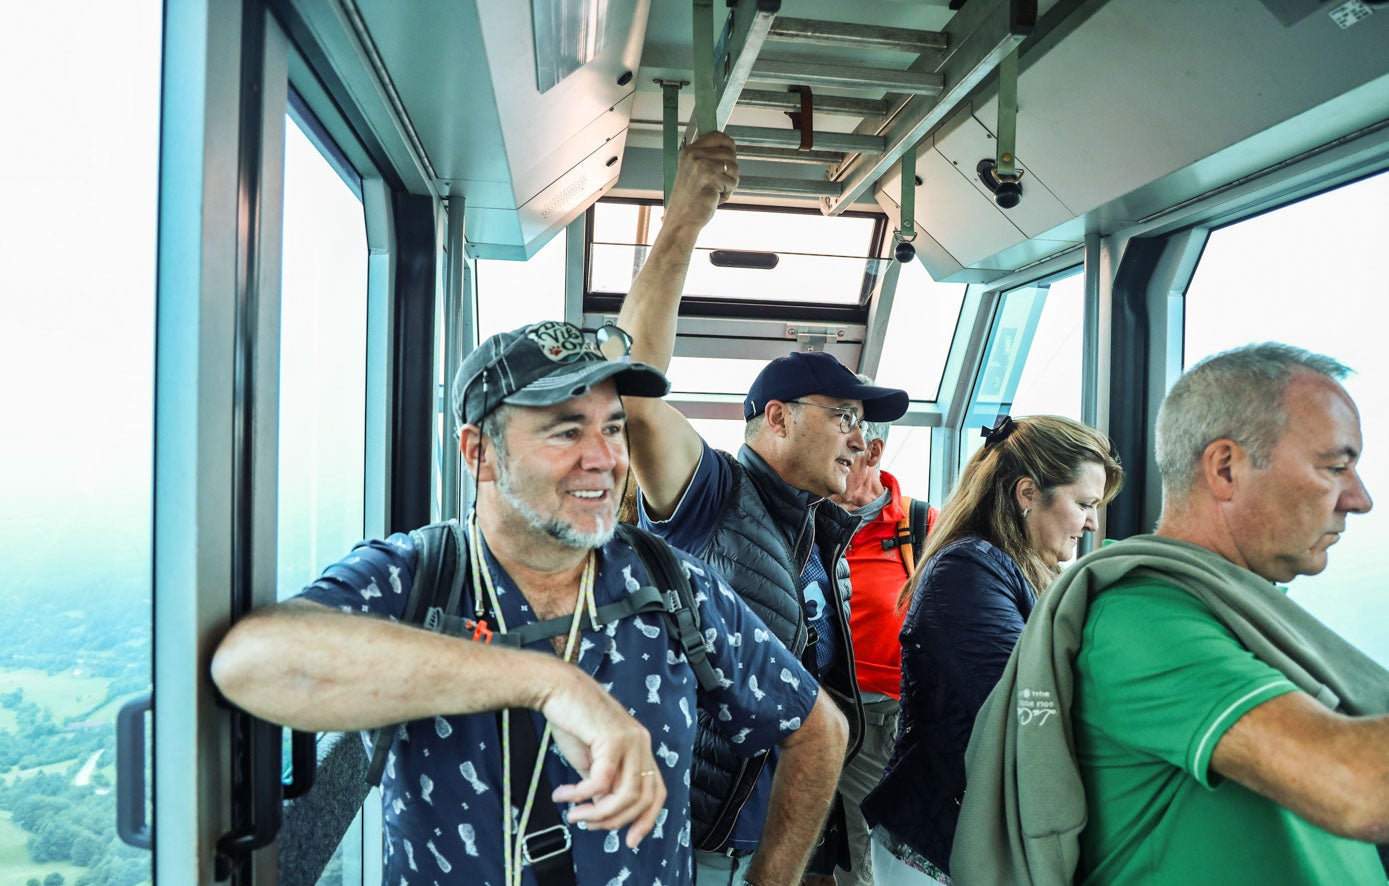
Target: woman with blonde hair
1018	513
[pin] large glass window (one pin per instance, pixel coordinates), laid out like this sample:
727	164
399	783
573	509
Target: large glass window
323	313
919	332
515	293
1032	365
78	188
907	456
715	375
1311	274
1051	379
809	258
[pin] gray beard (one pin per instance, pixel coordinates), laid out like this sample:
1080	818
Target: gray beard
562	532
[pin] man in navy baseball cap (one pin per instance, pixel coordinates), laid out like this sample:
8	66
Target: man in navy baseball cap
762	518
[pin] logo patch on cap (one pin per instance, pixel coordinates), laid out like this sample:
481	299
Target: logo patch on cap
560	342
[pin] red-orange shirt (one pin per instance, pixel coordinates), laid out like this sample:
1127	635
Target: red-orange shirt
877	577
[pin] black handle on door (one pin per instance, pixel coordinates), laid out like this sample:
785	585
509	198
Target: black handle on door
131	825
262	793
303	761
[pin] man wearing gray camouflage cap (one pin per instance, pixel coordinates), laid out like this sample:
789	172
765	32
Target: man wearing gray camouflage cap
543	430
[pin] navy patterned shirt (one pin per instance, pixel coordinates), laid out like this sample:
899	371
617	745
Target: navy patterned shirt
442	789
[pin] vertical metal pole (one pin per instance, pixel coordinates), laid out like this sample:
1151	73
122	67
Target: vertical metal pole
467	342
380	396
907	228
1007	115
670	131
703	45
1090	335
455	262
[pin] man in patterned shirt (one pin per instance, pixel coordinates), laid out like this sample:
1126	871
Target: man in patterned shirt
543	430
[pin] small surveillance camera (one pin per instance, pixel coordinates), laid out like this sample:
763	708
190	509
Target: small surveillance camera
1008	194
1006	190
904	252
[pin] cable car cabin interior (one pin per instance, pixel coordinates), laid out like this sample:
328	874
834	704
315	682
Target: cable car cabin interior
245	243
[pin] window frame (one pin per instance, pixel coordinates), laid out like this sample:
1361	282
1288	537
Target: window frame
603	302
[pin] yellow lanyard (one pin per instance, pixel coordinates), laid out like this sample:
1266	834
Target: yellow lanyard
514	838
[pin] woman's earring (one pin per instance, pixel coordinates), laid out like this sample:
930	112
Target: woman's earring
1024	512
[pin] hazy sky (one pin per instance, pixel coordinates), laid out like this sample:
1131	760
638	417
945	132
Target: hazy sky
77	220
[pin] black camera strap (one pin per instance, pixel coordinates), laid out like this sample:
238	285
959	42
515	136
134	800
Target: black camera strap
546	843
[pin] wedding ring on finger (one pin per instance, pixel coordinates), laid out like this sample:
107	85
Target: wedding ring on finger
648	773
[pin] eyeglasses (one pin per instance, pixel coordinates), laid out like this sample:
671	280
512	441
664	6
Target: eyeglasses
568	342
848	418
613	343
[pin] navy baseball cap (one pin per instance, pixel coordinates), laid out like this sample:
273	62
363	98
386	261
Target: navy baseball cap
815	372
544	364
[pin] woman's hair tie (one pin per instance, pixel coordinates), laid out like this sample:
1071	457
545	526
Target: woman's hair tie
999	432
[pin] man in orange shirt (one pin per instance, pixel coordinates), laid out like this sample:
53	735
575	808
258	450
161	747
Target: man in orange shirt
881	557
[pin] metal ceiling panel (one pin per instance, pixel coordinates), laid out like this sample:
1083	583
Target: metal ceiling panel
964	142
1205	117
526	162
967	225
463	71
517	233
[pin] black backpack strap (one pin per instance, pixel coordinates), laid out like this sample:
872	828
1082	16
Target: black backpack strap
667	574
910	538
441	553
920	522
904	539
643	599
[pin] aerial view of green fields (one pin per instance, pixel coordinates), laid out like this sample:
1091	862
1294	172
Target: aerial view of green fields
68	661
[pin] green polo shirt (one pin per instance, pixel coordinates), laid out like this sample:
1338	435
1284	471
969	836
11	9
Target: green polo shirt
1159	680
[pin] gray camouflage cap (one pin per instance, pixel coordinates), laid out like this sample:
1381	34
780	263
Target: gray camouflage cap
544	364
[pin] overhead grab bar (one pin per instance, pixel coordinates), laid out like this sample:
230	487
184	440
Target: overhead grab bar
703	47
1006	167
1001	173
979	36
670	131
728	62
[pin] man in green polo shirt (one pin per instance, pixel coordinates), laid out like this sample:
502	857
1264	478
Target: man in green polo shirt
1201	761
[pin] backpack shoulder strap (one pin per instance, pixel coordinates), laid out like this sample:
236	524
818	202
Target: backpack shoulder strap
912	529
441	571
920	520
904	539
666	573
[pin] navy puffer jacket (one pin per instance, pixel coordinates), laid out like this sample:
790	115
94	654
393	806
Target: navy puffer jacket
965	618
760	543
